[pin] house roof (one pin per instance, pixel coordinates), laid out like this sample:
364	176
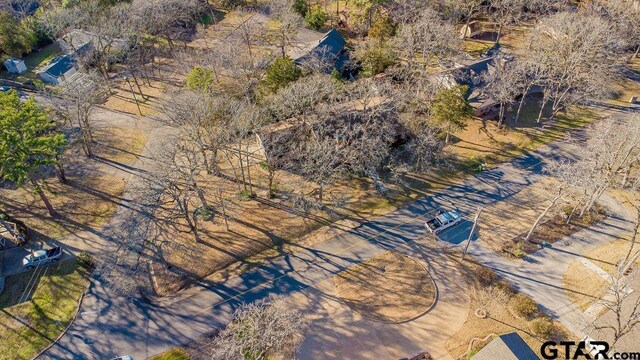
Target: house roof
506	347
330	45
59	66
14	61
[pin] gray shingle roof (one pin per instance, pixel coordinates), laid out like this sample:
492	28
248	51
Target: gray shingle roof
506	347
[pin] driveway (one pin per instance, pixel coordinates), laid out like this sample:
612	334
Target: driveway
109	325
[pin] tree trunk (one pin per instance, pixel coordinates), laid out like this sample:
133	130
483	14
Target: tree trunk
43	196
135	98
59	168
135	80
633	239
498	35
224	210
249	172
544	102
537	222
270	185
524	95
447	138
244	179
466	25
321	193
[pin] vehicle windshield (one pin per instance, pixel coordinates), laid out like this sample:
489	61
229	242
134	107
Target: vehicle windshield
445	218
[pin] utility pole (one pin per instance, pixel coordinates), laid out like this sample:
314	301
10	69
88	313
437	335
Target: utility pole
473	230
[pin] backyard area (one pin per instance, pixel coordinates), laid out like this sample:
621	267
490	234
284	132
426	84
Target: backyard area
34	61
36	306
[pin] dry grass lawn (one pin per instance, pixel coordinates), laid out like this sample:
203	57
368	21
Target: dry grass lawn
503	220
121	145
607	256
124	100
583	286
83	203
390	287
500	318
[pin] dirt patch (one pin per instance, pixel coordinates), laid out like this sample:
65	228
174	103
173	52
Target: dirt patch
554	229
389	287
583	286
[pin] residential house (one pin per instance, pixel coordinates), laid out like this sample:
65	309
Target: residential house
331	48
15	66
506	347
58	70
471	74
80	42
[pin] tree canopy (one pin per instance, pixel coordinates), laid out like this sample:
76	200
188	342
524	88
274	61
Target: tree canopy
450	109
280	73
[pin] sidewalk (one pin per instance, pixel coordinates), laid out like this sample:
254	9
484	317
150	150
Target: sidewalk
540	275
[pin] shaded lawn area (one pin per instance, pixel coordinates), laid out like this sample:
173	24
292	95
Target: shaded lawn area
483	142
27	326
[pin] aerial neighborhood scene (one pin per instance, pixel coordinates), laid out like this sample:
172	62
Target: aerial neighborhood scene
319	179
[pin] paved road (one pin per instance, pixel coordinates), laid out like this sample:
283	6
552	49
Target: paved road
109	325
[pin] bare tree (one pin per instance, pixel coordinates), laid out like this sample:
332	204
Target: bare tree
288	23
625	15
427	38
578	63
546	210
506	12
611	149
502	85
625	310
76	102
259	330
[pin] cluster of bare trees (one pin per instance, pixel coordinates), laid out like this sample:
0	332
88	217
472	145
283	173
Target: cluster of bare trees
609	158
260	330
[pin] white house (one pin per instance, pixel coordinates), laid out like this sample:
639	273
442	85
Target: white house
60	69
15	66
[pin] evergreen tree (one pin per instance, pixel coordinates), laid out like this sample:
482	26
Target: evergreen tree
28	140
450	110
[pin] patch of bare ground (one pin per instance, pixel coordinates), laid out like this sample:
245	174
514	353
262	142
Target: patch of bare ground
389	287
139	98
583	286
120	145
554	229
496	308
83	202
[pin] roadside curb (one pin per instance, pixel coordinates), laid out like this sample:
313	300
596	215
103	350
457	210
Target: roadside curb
65	330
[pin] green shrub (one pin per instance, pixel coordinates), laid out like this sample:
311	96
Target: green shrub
524	306
375	56
544	328
246	195
280	73
86	259
300	6
200	79
518	251
316	18
382	28
486	276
